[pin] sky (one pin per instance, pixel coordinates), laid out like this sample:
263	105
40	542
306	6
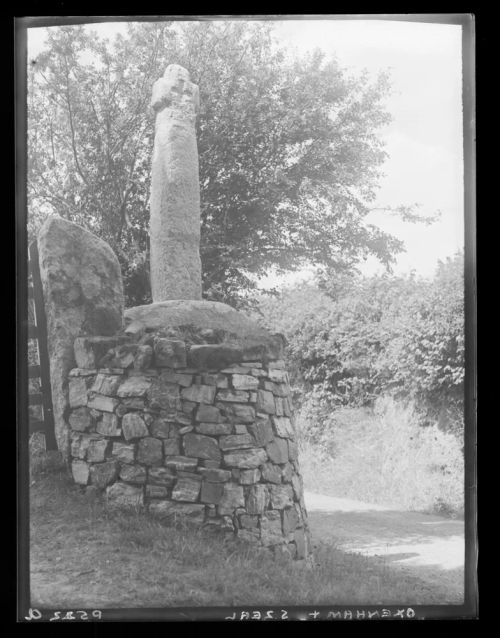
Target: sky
424	140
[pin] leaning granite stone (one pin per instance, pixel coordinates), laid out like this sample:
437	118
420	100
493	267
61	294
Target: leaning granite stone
124	496
77	392
186	512
244	382
143	357
215	475
233	396
199	393
104	403
97	449
81	420
283	427
169	353
261	431
271	473
248	477
106	384
277	450
161	476
213	356
135	474
150	451
201	446
164	396
208	414
133	426
213	429
186	489
108	425
180	462
270	528
134	387
257	499
211	492
171	447
281	496
236	441
246	459
81	472
265	402
102	474
232	497
89	351
236	412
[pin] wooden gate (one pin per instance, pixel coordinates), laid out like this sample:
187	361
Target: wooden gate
37	335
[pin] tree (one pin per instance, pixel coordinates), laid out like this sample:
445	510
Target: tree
289	150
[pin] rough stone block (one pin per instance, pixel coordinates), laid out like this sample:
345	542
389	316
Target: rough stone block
237	413
244	382
236	441
247	521
133	426
124	355
218	380
278	389
160	428
134	387
89	351
283	427
265	402
184	380
156	491
77	392
215	475
279	406
233	396
143	357
134	474
123	452
271	473
97	449
257	499
212	356
171	447
211	492
290	520
239	428
261	431
108	425
293	451
232	497
161	476
81	420
281	496
208	414
297	486
124	496
214	429
186	489
102	474
199	393
278	375
150	451
201	446
81	472
287	473
277	450
170	353
181	462
103	403
164	396
245	459
106	384
270	528
248	477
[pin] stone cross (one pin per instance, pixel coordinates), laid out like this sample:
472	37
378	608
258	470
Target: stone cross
175	189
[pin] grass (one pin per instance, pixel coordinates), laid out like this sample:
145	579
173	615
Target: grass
384	456
83	555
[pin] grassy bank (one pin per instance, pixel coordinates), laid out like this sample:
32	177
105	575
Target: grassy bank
82	555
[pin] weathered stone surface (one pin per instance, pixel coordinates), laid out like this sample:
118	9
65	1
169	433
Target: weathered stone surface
184	380
171	447
277	450
281	496
279	406
293	451
287	406
218	380
283	427
248	477
271	473
80	444
124	355
77	392
90	351
106	384
249	522
143	357
270	528
101	402
290	520
156	491
232	497
175	191
124	496
134	387
239	428
133	426
213	356
244	382
278	375
81	420
214	475
123	452
81	472
150	451
265	402
164	396
187	512
82	372
211	492
257	499
232	396
133	474
97	449
287	473
214	429
199	393
160	428
161	476
208	414
186	489
201	446
278	389
246	459
181	462
170	353
236	441
236	412
297	486
102	474
185	429
108	425
261	431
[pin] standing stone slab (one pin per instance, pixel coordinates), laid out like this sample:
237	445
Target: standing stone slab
83	295
175	191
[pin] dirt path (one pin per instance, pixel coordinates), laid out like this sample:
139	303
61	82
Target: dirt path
430	547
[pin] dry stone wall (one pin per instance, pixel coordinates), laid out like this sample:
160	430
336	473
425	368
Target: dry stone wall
201	431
